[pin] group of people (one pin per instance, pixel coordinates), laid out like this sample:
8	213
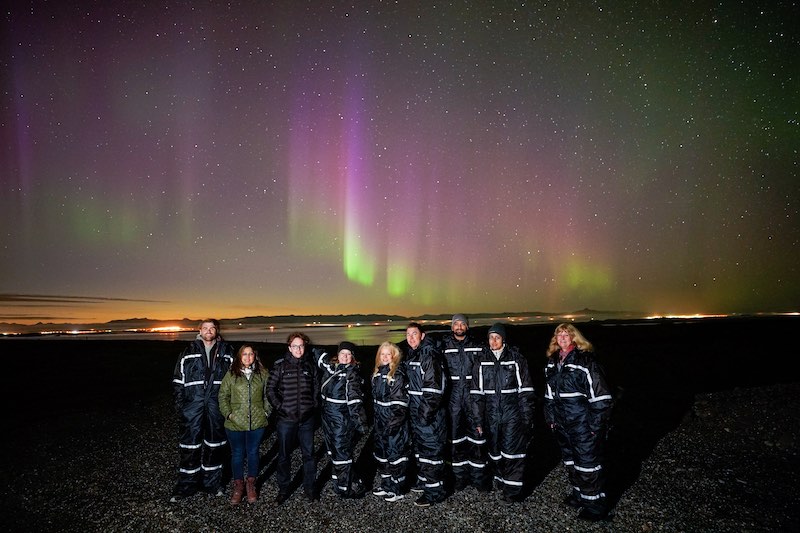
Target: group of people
447	414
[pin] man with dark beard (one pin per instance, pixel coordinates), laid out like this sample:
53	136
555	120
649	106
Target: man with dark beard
468	462
196	381
426	386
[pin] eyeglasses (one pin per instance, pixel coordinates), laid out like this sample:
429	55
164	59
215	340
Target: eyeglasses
297	346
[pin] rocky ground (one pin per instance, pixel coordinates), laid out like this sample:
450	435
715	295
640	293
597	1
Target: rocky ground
730	465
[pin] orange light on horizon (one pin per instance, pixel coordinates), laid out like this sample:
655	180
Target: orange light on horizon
170	329
696	315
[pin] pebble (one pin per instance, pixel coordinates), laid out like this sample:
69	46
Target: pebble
115	473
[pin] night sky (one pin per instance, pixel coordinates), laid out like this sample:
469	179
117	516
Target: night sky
184	159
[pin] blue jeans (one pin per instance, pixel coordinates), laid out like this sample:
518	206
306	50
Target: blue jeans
289	434
244	442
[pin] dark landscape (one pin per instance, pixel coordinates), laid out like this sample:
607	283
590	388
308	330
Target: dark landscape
704	437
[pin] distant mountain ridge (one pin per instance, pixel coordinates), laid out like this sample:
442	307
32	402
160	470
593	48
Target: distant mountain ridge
143	322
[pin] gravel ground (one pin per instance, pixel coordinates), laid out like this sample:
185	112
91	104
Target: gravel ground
731	465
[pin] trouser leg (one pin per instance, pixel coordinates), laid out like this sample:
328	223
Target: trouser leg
237	443
190	472
305	436
215	449
286	434
252	443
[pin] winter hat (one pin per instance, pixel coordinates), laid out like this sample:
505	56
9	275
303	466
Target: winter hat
344	345
460	318
498	328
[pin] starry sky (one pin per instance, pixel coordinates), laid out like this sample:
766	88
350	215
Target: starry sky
183	159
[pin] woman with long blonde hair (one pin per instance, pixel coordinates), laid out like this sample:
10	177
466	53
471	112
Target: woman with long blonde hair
577	406
390	396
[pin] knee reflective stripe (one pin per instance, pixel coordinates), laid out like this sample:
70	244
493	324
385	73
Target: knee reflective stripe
431	461
379	459
456	441
513	455
461	463
569	463
211	468
190	446
215	444
495	457
432	485
398	461
476	441
384	476
476	465
346	462
189	471
588	469
592	498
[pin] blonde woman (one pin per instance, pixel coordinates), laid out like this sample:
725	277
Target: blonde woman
577	405
390	396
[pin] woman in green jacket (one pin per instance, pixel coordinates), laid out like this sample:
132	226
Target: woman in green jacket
243	403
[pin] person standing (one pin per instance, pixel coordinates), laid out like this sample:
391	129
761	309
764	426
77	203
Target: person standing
243	402
502	410
468	462
577	406
426	388
344	419
196	381
390	397
292	390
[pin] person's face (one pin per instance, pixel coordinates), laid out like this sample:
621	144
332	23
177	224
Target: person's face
208	331
248	357
564	339
495	341
345	357
459	329
297	347
414	336
386	356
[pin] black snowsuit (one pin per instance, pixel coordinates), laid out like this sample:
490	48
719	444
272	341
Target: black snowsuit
344	419
467	457
577	406
503	405
202	439
391	433
426	388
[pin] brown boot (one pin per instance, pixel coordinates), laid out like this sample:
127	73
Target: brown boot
251	490
238	491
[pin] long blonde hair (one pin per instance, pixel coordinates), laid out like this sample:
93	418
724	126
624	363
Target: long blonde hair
397	356
577	338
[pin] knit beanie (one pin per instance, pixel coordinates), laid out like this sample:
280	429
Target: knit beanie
498	328
460	318
344	345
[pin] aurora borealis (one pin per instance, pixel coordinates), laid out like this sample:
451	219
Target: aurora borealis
252	158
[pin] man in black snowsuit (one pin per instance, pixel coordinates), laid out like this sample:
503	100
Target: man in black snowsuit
468	462
426	387
502	410
196	380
